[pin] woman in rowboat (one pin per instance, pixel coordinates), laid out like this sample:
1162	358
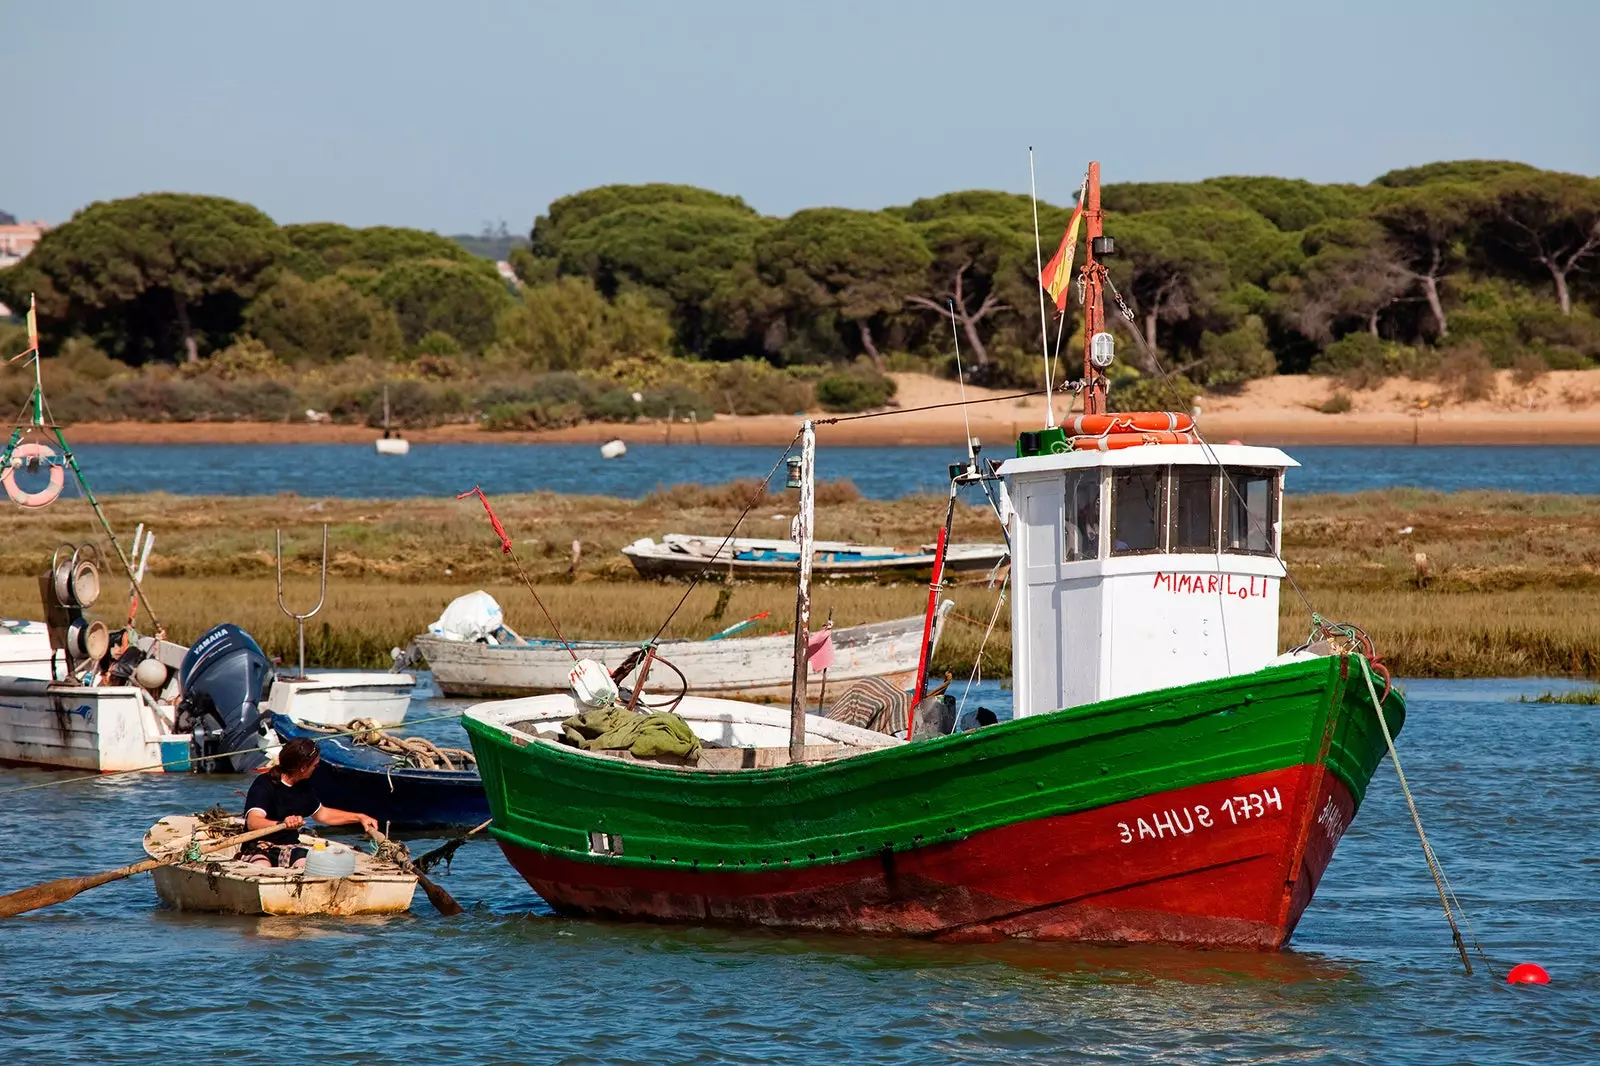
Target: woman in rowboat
284	794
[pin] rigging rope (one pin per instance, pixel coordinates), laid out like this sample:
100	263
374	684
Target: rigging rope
977	663
1065	386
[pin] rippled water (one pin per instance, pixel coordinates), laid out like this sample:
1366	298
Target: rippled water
880	473
1510	795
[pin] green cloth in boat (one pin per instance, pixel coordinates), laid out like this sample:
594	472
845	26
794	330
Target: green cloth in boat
645	735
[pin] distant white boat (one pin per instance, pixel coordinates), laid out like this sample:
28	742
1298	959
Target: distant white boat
613	449
389	444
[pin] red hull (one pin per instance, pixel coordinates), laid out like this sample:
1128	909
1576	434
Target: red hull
1226	864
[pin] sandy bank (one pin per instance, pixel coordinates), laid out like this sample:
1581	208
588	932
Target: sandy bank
1562	407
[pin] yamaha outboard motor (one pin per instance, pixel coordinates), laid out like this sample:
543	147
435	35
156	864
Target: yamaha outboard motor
223	678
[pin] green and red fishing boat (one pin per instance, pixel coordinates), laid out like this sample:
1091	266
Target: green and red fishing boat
1166	775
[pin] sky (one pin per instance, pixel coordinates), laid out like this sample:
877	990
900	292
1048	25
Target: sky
445	116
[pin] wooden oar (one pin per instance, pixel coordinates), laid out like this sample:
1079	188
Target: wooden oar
442	901
63	889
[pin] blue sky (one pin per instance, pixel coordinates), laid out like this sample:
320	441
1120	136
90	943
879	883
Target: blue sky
444	115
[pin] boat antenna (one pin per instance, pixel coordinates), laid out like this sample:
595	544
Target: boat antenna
1044	322
961	379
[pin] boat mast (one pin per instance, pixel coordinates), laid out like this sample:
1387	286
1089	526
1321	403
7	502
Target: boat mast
1094	316
804	535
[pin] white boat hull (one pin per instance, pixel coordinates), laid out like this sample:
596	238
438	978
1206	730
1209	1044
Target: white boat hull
683	555
392	446
106	729
220	883
329	698
747	667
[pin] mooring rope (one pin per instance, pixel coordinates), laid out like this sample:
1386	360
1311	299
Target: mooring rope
1446	894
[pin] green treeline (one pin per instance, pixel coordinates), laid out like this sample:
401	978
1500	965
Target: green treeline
639	300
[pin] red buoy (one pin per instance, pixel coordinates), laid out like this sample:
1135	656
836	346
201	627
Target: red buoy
1528	973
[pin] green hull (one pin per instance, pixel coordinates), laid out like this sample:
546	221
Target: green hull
547	799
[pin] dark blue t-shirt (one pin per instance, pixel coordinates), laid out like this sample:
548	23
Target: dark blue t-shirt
268	793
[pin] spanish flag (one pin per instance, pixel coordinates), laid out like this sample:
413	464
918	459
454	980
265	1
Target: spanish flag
1057	276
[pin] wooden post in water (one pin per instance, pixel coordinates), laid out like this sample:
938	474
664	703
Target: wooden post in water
804	536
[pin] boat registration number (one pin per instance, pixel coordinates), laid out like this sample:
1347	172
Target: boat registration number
1182	821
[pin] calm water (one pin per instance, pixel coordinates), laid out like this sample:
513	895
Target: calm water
881	473
1510	795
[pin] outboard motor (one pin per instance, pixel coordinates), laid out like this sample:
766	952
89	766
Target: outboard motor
223	678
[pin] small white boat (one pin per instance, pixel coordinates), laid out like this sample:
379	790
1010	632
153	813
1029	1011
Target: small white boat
100	728
685	555
325	697
750	667
221	883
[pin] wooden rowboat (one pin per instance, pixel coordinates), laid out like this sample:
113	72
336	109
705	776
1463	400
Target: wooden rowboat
747	667
221	883
685	555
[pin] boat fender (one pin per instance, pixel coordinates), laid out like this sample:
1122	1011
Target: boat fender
31	455
591	684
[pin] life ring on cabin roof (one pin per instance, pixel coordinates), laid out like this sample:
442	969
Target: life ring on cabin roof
1132	421
1111	442
41	453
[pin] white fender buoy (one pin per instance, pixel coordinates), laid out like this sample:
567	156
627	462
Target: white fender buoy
613	449
37	453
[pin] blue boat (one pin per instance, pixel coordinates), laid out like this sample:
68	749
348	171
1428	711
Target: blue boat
358	777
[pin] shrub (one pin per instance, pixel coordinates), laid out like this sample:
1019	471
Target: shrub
1528	368
436	342
1350	352
859	389
1466	372
1337	404
1171	393
1238	355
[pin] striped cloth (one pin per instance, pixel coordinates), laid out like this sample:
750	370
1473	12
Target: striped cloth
872	703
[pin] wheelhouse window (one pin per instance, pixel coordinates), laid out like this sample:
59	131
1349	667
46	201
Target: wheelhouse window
1249	510
1136	511
1083	515
1194	509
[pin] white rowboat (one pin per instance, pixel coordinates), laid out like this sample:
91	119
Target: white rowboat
748	667
221	883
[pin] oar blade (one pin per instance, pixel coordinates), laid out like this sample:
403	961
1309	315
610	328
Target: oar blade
52	892
442	901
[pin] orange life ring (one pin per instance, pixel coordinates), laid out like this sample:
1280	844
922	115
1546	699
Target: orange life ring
45	496
1132	421
1111	442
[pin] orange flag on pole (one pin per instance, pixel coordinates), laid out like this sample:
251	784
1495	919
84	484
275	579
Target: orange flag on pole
1057	276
